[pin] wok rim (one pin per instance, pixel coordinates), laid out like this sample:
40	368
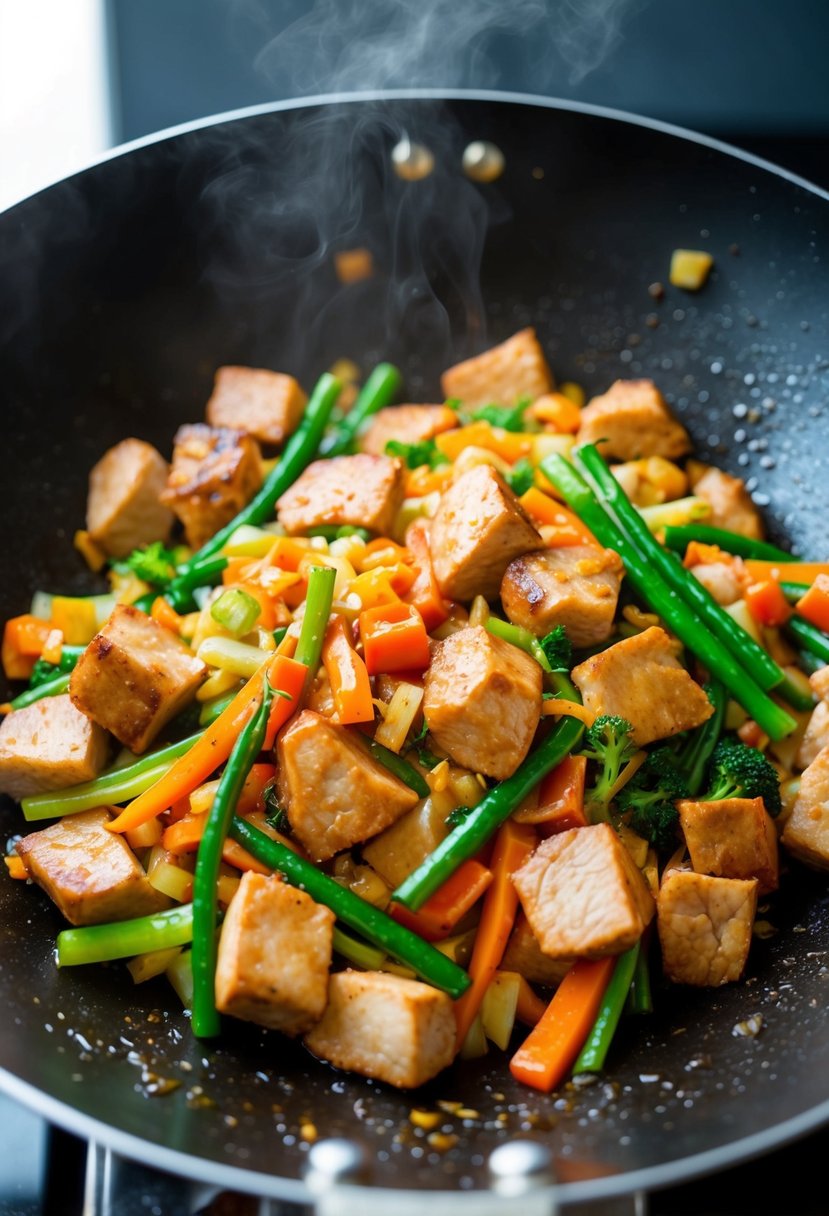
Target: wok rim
206	1170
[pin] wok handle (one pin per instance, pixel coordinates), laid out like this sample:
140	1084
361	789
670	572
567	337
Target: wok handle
115	1186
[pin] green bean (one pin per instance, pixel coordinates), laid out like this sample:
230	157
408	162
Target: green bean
49	688
794	591
401	768
640	997
695	755
593	1054
358	952
67	662
125	938
318	602
809	637
559	681
211	710
678	537
379	390
375	926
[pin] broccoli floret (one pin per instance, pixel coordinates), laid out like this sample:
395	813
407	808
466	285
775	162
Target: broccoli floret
521	476
154	564
416	454
557	648
609	744
649	797
739	771
508	417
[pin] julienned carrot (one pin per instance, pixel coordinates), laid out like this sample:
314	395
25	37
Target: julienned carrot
288	675
569	530
549	1051
184	836
513	845
213	747
347	676
442	911
791	572
560	799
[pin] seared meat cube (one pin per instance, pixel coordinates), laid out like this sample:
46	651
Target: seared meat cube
91	873
705	927
134	676
721	579
406	424
732	838
576	586
267	405
394	1030
48	745
274	956
482	701
634	421
819	681
816	737
524	955
806	834
124	508
216	471
517	368
361	491
334	793
730	502
582	894
398	851
641	679
479	527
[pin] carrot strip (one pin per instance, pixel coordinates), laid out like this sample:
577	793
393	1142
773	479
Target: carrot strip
347	675
442	911
530	1008
572	709
164	614
794	572
23	640
394	638
560	799
424	593
814	605
569	530
513	845
767	603
549	1051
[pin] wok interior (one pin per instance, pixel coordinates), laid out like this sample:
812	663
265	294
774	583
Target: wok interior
121	291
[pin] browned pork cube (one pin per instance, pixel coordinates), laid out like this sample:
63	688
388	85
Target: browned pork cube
576	586
732	838
382	1026
517	368
274	956
642	680
335	795
705	927
482	701
806	834
524	955
267	405
360	491
91	873
134	676
124	508
723	580
49	745
479	527
816	736
819	681
730	502
582	894
216	471
407	424
634	421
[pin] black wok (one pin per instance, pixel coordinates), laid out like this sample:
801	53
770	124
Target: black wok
122	288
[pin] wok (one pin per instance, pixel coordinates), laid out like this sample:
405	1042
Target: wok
122	288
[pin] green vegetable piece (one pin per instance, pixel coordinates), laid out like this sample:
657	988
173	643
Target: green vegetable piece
236	611
809	637
153	564
318	602
648	798
508	417
416	454
379	390
609	744
594	1053
101	943
47	688
358	952
678	537
211	710
695	754
401	768
521	476
739	771
557	649
42	672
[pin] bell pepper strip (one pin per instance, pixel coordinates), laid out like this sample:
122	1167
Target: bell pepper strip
289	679
558	411
814	605
424	593
767	603
401	768
76	618
165	614
809	637
23	640
593	1054
644	573
513	845
206	1021
560	799
125	938
50	688
550	1049
394	639
439	915
111	788
379	390
509	445
530	1007
375	926
347	675
679	536
469	836
569	529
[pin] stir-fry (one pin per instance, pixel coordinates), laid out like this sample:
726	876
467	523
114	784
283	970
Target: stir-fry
441	726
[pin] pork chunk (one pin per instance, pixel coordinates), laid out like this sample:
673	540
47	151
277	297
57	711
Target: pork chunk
517	368
641	679
732	838
397	852
634	420
524	955
91	873
721	579
819	681
334	793
361	491
124	508
267	405
705	927
134	676
582	894
806	834
730	502
382	1026
48	745
816	736
576	586
216	471
274	956
477	530
482	701
407	424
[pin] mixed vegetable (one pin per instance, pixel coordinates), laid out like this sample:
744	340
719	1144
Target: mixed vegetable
437	721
